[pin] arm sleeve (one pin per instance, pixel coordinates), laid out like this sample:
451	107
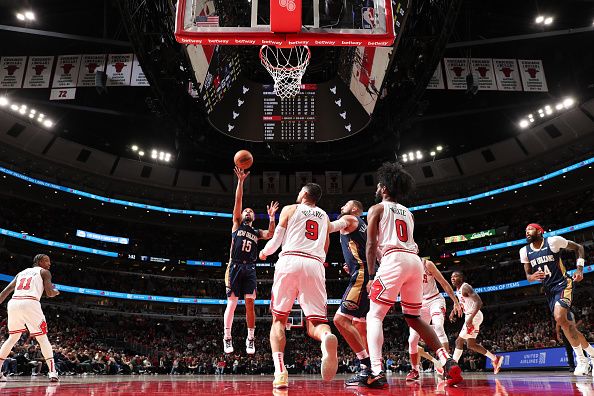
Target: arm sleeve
338	225
524	256
276	241
557	243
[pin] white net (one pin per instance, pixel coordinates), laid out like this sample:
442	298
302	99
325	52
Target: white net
286	66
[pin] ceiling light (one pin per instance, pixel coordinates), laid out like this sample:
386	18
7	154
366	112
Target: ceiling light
419	155
3	101
39	119
548	20
14	107
404	156
22	111
404	159
568	102
439	148
33	111
23	107
411	155
549	111
31	115
161	156
154	154
531	120
20	16
48	123
524	124
134	147
540	111
41	115
30	15
530	116
539	19
547	107
141	153
167	156
432	153
559	106
541	115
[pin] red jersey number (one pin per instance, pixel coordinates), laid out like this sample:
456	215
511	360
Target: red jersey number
24	284
311	230
402	230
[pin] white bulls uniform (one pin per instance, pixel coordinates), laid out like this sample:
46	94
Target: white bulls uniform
432	311
299	273
401	269
24	309
469	307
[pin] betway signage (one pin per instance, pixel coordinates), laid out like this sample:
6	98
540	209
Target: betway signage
468	237
101	237
359	41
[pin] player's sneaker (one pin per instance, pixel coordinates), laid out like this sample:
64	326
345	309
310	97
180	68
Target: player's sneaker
453	372
228	345
375	381
3	377
497	364
53	377
357	378
412	375
281	380
582	367
250	346
329	357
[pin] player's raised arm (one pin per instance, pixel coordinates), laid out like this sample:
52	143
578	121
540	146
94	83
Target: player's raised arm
279	233
271	209
237	207
374	216
348	223
47	283
7	290
445	285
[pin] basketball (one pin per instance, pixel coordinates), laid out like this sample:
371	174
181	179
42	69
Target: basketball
243	159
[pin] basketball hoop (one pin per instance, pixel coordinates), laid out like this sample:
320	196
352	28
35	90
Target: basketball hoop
286	66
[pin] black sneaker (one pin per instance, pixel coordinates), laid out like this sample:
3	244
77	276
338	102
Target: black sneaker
453	372
375	381
357	378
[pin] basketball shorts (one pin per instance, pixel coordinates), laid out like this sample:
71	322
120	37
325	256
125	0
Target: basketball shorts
240	279
301	278
563	297
431	308
26	315
355	301
401	274
473	332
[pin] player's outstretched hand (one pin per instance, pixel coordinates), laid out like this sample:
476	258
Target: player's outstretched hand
272	208
578	275
452	313
537	276
241	174
458	310
345	268
262	256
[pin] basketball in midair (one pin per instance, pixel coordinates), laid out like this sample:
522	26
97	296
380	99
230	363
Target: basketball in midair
243	159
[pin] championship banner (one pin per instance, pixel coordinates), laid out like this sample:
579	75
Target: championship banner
66	72
90	65
334	182
301	179
119	69
483	68
138	77
39	71
456	71
507	75
12	69
468	237
270	182
436	81
533	78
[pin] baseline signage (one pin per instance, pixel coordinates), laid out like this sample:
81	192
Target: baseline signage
532	358
101	237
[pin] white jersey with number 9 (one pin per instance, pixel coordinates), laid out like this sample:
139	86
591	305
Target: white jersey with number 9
306	232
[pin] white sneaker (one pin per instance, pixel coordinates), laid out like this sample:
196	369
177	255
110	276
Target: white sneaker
228	345
582	368
281	380
250	346
53	377
329	357
3	377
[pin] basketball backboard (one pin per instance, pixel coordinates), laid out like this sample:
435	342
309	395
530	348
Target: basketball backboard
285	23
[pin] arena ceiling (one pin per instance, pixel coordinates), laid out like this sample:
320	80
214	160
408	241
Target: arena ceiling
113	120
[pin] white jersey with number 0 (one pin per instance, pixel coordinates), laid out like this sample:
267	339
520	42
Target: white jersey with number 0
306	232
29	284
430	289
396	230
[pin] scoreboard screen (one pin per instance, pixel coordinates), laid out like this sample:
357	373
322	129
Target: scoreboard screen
318	113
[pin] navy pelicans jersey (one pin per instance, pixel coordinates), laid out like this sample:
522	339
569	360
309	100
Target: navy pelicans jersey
548	259
353	247
244	245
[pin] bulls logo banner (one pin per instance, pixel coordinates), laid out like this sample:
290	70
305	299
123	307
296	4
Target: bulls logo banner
66	73
483	68
456	71
89	66
334	182
39	71
301	179
533	78
507	74
138	77
119	69
436	81
270	182
12	69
